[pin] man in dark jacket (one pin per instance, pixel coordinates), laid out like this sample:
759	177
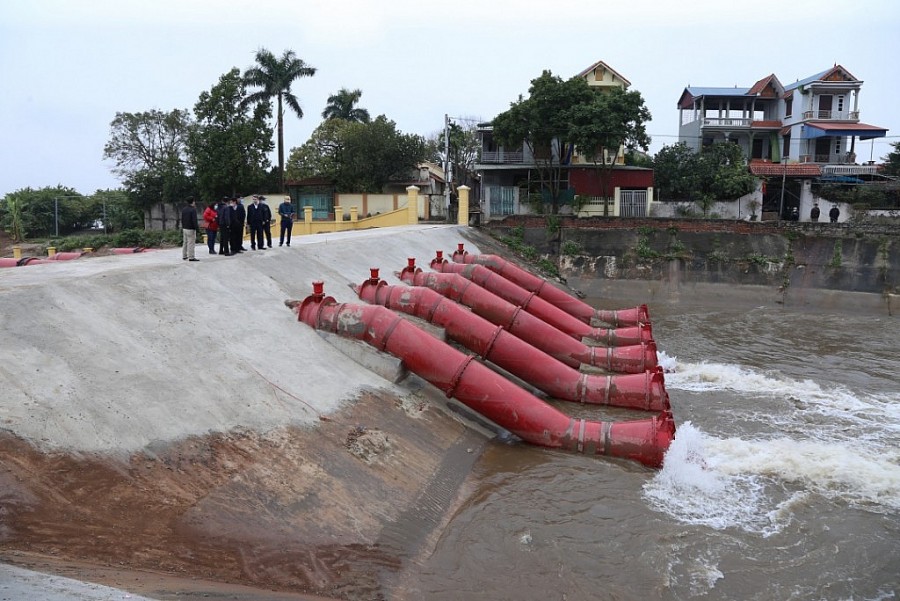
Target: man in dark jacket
267	220
286	212
255	217
224	213
239	218
189	227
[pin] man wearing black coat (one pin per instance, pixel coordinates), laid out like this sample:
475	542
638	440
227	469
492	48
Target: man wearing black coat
224	213
255	218
189	227
238	219
267	220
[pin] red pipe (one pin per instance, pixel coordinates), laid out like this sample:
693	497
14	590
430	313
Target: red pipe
8	262
534	304
552	294
32	261
491	342
483	390
633	359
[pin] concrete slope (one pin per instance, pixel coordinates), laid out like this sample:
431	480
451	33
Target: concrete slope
174	420
115	353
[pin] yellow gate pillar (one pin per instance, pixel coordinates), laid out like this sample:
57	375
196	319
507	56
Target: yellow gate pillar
412	205
338	218
462	211
307	220
17	252
354	217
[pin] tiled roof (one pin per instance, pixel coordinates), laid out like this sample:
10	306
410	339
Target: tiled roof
608	68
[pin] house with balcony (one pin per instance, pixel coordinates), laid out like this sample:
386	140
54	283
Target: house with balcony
792	135
813	120
508	177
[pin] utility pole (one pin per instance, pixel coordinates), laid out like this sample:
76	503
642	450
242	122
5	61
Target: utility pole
783	178
448	179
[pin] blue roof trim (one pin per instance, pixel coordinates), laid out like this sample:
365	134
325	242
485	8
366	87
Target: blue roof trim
695	92
809	79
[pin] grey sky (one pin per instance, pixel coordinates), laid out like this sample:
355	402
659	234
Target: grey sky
67	66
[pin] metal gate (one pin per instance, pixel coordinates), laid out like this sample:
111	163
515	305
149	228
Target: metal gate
633	203
502	199
320	203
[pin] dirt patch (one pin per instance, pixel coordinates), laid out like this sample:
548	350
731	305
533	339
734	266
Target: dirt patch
293	510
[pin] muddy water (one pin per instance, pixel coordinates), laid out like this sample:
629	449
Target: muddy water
783	481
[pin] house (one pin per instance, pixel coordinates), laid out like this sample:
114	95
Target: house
797	133
507	176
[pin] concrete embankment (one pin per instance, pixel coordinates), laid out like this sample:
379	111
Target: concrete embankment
173	419
803	266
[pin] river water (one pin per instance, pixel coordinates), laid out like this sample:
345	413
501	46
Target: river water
783	482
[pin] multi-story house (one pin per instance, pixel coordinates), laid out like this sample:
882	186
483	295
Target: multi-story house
508	176
813	120
792	135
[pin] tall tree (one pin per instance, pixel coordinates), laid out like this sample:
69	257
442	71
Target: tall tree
541	122
343	106
358	157
229	144
274	76
465	149
609	120
149	150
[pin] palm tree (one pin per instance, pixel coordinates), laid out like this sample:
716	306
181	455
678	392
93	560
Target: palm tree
274	77
340	106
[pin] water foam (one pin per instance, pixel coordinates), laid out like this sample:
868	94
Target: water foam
724	483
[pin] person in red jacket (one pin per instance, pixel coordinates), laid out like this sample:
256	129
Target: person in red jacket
211	223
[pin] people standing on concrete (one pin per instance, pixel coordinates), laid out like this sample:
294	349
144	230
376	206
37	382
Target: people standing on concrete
286	212
267	220
834	213
238	219
814	213
211	223
189	227
224	214
255	223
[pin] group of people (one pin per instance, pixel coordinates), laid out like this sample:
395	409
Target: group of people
227	220
833	214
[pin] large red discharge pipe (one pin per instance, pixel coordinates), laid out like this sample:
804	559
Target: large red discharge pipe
483	390
534	304
633	359
552	294
491	342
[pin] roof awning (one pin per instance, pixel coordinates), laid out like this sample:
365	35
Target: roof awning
864	131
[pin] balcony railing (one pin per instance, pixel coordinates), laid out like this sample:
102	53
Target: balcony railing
726	122
849	170
502	156
832	115
843	158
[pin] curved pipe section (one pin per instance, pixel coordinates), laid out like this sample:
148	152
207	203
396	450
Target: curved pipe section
644	391
544	310
633	359
483	390
552	294
65	256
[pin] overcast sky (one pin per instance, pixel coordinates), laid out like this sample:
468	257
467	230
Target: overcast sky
67	66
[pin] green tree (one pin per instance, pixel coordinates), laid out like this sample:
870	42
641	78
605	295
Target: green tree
674	172
343	106
274	76
358	157
542	123
117	211
27	213
892	161
149	150
229	144
609	120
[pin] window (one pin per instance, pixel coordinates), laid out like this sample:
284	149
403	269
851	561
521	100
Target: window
787	145
788	106
840	104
